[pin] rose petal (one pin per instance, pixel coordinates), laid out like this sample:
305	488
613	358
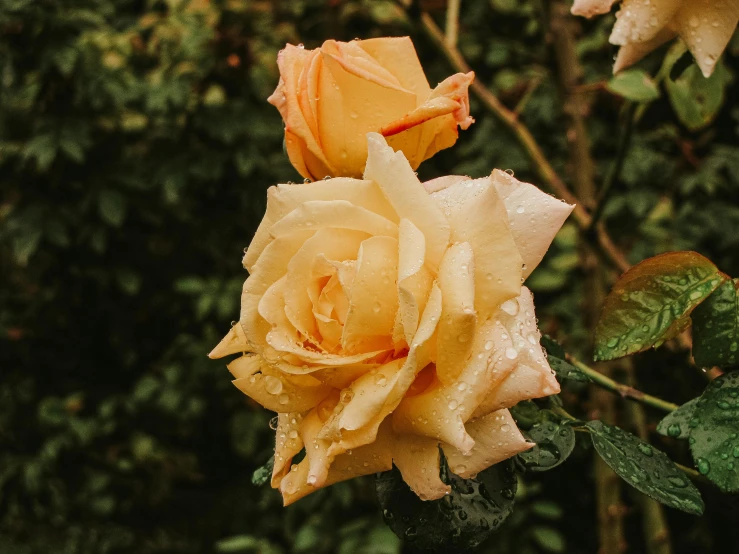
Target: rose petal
398	56
365	460
534	217
629	54
532	377
639	21
371	308
333	214
414	281
344	125
271	389
283	199
458	317
478	216
372	397
441	411
291	61
706	26
496	437
287	444
392	172
334	244
418	460
233	342
590	8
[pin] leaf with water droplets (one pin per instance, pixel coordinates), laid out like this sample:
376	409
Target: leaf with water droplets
555	441
645	468
677	423
716	328
558	361
714	432
652	303
457	522
263	474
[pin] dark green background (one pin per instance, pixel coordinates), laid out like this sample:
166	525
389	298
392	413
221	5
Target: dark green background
136	147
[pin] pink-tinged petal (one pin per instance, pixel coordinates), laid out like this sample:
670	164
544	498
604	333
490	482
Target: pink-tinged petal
418	460
534	216
392	172
496	439
706	26
272	389
639	21
292	61
531	377
450	97
478	215
590	8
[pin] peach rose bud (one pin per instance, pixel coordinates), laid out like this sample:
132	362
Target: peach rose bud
706	26
331	97
384	318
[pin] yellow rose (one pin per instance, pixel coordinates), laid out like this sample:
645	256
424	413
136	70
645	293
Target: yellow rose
706	26
332	96
383	317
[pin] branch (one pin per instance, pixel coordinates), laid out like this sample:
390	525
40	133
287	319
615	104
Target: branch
545	170
452	22
625	391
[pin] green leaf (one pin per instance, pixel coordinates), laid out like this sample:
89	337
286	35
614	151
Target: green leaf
716	328
634	84
554	444
677	423
695	98
645	468
264	473
557	361
548	539
652	302
459	521
714	440
112	207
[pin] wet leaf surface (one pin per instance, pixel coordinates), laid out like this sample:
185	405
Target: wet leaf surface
677	424
554	444
645	468
459	521
652	303
716	328
714	432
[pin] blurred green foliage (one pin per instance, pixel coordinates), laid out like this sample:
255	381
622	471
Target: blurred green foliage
136	147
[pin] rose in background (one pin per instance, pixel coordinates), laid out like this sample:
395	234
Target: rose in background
706	26
384	317
331	97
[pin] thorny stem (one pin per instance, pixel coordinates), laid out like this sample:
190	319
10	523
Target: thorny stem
546	172
625	391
